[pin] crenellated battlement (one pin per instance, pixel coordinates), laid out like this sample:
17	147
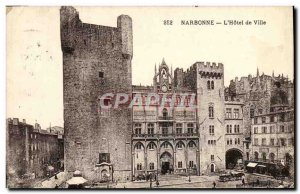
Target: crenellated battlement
210	66
210	70
93	35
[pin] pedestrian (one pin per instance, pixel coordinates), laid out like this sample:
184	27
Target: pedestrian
243	181
157	183
257	182
56	186
150	183
214	185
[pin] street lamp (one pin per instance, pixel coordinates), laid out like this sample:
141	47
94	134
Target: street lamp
189	174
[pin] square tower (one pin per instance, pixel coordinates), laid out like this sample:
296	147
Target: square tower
210	104
96	61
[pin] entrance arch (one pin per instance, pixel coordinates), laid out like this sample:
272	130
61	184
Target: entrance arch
233	156
212	168
166	162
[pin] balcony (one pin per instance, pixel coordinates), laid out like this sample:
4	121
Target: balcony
165	136
165	118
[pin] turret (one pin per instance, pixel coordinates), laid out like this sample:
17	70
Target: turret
69	17
125	26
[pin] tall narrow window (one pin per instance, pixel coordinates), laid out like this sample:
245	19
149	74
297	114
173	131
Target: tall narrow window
190	128
151	165
180	164
179	128
212	85
228	113
165	131
101	74
138	128
251	112
211	111
208	85
211	129
150	128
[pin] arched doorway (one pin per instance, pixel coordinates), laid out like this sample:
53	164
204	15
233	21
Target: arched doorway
212	168
166	161
233	158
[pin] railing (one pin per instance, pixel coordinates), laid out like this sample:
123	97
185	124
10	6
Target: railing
165	118
167	135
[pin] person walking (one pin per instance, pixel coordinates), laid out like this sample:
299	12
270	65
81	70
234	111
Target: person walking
214	185
157	183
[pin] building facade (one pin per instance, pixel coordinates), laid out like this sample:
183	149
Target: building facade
234	133
273	141
165	137
160	132
31	152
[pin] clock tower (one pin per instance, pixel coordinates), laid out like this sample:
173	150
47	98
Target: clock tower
163	79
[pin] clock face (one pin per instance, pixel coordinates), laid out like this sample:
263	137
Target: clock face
164	88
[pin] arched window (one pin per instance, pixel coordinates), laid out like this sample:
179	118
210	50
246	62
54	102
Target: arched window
212	167
272	157
212	85
151	146
208	85
138	146
179	145
191	144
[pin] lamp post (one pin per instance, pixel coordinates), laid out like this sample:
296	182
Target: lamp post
189	174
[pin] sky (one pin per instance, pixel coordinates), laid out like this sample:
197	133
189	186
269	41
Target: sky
34	57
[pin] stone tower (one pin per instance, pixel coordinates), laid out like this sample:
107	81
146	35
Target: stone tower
210	104
96	61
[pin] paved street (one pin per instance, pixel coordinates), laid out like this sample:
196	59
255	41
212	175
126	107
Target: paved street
168	181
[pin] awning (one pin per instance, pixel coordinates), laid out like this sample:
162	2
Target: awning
251	164
76	181
261	166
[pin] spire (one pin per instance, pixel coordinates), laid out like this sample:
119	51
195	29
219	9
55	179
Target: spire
155	69
163	61
257	75
273	74
171	70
